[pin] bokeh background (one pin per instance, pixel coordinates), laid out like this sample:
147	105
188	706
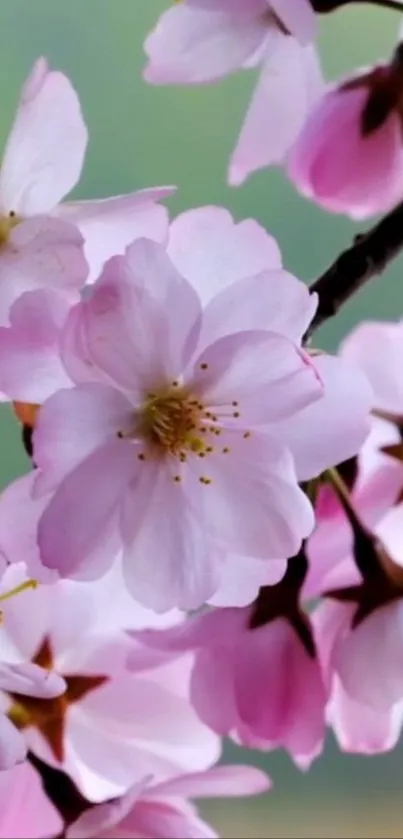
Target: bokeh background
142	136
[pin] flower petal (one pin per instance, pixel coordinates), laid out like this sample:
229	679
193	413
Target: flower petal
288	86
273	300
73	533
30	365
111	224
45	149
71	425
12	744
212	251
41	252
168	561
253	504
263	374
192	46
324	433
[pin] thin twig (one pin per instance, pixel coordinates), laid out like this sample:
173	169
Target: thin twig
366	258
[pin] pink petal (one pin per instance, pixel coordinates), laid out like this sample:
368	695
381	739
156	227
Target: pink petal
106	816
360	729
273	300
73	424
31	680
46	146
369	658
361	177
30	365
280	692
111	224
324	433
298	18
217	782
74	529
41	252
25	809
287	87
185	573
212	251
193	45
212	690
167	820
253	504
241	578
376	348
19	516
141	321
131	727
265	374
12	744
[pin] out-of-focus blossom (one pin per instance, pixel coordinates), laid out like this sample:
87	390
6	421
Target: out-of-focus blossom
162	811
197	42
25	810
112	726
256	675
42	162
349	155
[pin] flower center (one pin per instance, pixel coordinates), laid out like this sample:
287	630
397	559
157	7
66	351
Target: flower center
172	421
6	225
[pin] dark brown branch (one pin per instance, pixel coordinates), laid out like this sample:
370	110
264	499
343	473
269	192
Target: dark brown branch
324	6
368	256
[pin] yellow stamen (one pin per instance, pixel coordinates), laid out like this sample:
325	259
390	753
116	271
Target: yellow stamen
19	589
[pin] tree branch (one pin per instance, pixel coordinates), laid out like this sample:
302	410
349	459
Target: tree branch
368	256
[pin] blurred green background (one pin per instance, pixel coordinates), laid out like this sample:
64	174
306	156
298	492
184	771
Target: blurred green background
143	136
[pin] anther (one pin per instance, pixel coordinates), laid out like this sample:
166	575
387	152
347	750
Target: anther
236	414
141	456
177	479
246	435
226	450
235	404
203	366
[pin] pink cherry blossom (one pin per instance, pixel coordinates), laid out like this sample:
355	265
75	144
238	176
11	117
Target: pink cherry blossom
25	809
162	811
259	684
114	726
349	155
133	429
42	162
197	42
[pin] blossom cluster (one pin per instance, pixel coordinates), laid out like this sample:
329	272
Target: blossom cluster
207	539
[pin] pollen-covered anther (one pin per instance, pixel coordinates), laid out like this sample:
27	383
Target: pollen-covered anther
171	421
205	481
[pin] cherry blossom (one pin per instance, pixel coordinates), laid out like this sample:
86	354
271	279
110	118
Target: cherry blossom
256	675
197	42
42	162
349	155
113	726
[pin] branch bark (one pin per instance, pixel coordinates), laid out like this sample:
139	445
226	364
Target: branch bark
369	255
